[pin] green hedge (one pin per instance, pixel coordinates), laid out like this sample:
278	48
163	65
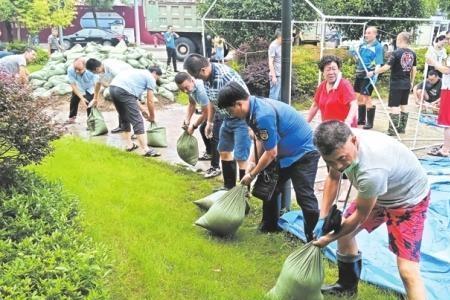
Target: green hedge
44	253
305	71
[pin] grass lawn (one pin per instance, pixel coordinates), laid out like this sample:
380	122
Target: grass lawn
141	210
34	68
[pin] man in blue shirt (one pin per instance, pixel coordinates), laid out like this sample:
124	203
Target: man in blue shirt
371	53
197	95
169	38
233	136
284	135
83	83
126	89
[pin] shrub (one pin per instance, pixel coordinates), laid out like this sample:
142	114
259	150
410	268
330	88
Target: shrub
17	46
256	77
44	253
254	51
41	56
25	130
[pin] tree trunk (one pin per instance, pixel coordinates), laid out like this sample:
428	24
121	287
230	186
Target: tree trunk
94	14
9	34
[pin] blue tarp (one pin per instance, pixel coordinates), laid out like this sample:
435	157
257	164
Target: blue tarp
379	264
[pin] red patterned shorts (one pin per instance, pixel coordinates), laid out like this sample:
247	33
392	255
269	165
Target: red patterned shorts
404	225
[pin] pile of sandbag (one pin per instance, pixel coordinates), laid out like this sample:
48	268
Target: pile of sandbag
52	79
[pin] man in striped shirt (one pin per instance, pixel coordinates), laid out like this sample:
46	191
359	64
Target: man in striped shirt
234	133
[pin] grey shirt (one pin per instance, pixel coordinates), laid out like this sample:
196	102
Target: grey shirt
11	64
199	93
53	42
387	170
135	81
275	53
112	68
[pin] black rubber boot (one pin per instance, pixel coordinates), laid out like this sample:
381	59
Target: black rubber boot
361	115
309	222
403	122
271	214
396	120
349	271
229	174
370	117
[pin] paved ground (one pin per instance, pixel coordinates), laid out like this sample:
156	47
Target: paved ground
171	116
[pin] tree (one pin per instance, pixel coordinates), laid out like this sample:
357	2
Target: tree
238	32
26	131
37	14
379	8
99	4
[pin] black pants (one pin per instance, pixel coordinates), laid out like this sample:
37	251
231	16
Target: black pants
128	108
172	55
303	175
211	144
206	141
75	100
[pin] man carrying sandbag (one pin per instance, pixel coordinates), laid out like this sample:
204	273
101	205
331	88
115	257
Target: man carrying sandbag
16	65
285	136
197	95
392	187
106	70
126	89
82	82
233	134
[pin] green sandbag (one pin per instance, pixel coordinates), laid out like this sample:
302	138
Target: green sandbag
96	123
208	201
226	215
187	148
301	277
156	136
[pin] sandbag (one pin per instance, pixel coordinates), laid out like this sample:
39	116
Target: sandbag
156	136
171	86
301	276
56	56
135	63
226	215
133	55
187	148
62	89
96	123
35	83
41	75
206	202
39	92
166	94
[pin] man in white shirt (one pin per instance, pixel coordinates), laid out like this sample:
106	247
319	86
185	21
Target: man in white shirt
392	188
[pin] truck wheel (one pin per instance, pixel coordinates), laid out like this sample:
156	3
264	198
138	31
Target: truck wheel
66	44
184	47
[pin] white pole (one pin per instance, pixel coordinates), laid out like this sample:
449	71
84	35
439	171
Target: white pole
137	25
209	9
377	18
318	11
378	95
425	72
322	45
203	37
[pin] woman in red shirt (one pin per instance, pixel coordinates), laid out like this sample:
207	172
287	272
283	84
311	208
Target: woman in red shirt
335	97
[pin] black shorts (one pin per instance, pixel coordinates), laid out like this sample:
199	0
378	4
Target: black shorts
398	97
128	108
363	86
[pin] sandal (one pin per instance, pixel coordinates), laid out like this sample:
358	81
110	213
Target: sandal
134	147
437	153
151	153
